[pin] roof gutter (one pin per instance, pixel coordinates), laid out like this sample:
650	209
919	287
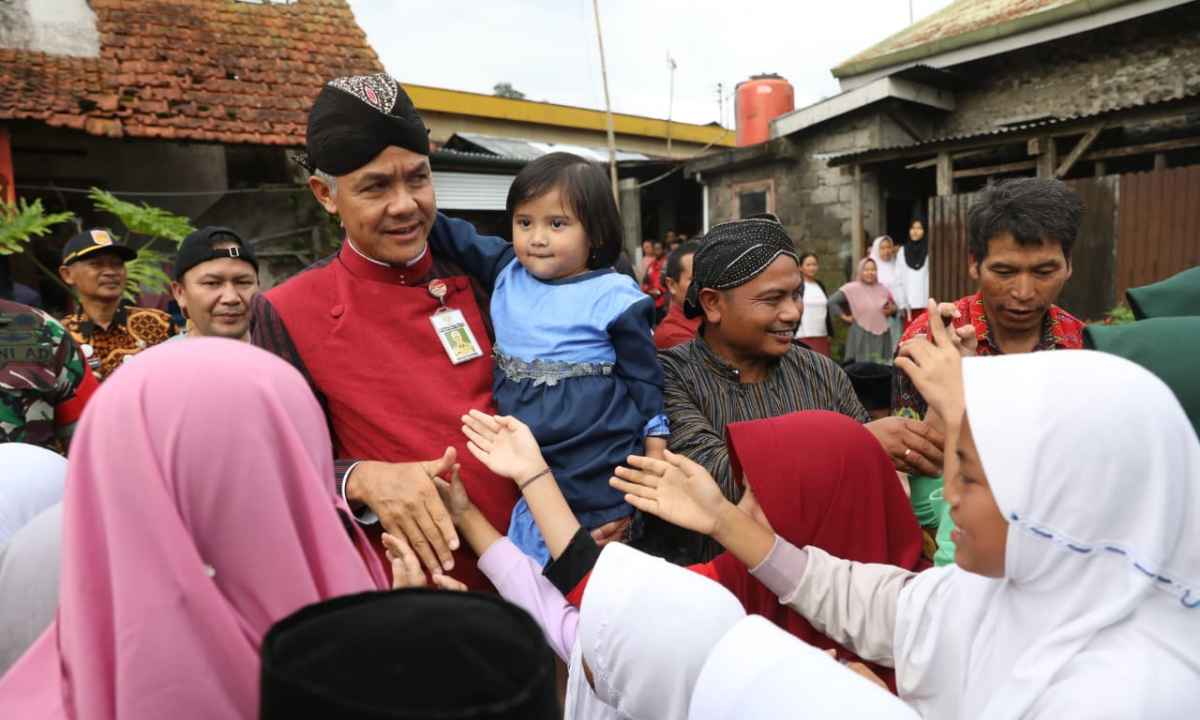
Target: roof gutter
1069	19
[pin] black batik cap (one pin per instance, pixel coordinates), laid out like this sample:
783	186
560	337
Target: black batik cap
198	247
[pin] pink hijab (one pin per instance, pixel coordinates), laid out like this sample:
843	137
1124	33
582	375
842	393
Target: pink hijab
199	510
867	301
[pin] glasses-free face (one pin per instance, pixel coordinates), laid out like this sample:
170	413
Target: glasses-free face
981	532
870	273
916	231
387	206
549	239
1019	283
215	295
99	276
811	267
758	319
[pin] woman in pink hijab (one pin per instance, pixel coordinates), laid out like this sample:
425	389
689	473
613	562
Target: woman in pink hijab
198	512
866	304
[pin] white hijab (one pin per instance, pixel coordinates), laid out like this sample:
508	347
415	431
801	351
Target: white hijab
886	268
1098	614
758	671
646	627
31	480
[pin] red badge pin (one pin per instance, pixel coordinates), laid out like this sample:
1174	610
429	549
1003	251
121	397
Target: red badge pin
438	289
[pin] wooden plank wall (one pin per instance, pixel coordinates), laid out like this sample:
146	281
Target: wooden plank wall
1159	227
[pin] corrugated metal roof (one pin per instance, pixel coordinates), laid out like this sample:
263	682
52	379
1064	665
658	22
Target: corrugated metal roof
532	150
471	191
857	155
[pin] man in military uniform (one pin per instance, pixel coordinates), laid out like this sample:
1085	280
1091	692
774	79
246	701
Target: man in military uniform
108	332
44	383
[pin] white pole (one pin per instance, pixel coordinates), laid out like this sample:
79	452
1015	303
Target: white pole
670	102
612	141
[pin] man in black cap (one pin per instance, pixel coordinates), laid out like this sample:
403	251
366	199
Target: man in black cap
746	288
215	280
379	328
108	332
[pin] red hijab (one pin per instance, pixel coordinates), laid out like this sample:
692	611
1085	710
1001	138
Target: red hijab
823	480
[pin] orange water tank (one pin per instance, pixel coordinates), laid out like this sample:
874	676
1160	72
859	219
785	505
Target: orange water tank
760	100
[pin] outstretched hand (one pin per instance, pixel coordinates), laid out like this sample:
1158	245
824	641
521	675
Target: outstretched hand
454	495
935	366
406	568
504	444
675	489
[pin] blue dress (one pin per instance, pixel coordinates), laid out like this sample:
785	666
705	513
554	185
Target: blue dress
575	361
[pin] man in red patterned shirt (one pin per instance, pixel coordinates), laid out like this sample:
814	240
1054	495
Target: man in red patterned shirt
1019	237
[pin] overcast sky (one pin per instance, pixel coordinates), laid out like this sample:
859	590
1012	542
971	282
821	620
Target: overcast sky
547	48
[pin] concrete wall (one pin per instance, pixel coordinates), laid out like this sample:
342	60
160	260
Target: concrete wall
1152	58
58	27
813	201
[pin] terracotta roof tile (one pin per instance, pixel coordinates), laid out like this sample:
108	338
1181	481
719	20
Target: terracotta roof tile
211	70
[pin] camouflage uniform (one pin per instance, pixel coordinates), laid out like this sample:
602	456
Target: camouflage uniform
43	383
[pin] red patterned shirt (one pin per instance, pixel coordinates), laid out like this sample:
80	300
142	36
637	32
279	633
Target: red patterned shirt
1060	331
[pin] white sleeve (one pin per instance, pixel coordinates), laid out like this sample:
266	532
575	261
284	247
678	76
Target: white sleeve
852	603
900	294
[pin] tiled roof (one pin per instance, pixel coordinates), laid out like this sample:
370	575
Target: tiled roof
214	70
965	23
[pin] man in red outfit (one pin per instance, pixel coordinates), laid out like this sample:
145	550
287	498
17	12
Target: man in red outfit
676	328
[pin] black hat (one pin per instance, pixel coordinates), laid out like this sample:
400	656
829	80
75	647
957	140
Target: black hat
355	118
198	248
90	242
734	253
872	384
416	653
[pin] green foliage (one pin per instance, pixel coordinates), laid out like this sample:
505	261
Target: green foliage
145	220
23	221
145	272
1120	315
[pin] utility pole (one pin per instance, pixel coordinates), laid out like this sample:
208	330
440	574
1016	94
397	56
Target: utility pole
910	12
670	101
612	141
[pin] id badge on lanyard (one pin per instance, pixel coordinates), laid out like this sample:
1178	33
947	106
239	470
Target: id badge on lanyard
452	328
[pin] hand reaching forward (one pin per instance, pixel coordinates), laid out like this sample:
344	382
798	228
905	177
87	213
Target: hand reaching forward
676	490
504	444
935	366
406	568
454	495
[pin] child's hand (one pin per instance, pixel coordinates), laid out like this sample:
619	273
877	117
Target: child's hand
935	366
504	444
676	490
406	568
454	495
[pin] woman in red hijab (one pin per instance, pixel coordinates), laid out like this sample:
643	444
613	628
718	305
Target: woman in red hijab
815	478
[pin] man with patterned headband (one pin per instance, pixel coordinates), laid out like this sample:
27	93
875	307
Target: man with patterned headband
108	332
746	289
394	339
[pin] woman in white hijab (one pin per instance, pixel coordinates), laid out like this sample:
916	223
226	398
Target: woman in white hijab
758	671
883	252
31	480
1076	588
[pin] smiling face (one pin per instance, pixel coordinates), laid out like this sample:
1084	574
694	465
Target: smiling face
981	532
870	273
215	295
756	320
387	206
549	239
99	276
810	267
1019	283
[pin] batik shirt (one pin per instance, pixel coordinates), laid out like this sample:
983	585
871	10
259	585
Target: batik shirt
133	329
1060	331
43	382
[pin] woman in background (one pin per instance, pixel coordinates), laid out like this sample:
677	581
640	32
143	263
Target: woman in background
815	326
912	278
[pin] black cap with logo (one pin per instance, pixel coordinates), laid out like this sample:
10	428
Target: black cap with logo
199	247
91	242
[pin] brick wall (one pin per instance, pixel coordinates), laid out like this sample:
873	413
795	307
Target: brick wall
1151	58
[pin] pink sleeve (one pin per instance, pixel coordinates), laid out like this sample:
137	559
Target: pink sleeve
782	568
519	580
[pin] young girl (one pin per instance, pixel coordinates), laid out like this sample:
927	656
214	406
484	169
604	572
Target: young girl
574	354
1075	592
883	252
866	304
912	273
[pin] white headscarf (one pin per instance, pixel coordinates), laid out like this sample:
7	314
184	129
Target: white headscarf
1098	614
645	628
886	268
30	564
31	480
758	671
